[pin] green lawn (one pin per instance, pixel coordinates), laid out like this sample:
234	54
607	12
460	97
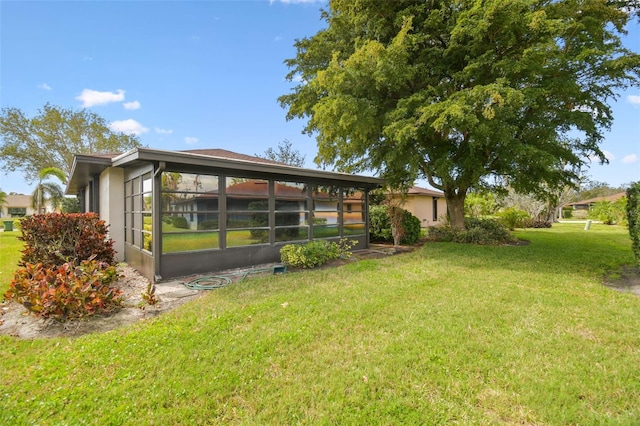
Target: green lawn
10	254
447	334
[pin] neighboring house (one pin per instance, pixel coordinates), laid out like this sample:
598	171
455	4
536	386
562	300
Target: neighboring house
427	205
586	204
581	208
19	205
178	213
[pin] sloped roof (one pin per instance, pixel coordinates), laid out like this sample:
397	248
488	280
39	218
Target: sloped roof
86	166
18	200
223	153
416	190
612	197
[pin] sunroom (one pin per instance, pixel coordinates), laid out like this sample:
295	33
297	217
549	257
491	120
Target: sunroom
179	213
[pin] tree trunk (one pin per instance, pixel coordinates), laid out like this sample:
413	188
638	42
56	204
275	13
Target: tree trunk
455	208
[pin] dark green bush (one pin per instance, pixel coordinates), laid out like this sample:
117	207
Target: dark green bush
633	218
513	218
315	253
208	224
478	231
380	226
180	222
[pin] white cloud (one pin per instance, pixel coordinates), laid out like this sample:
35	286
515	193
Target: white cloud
44	86
191	140
163	131
90	97
629	159
634	99
129	126
131	105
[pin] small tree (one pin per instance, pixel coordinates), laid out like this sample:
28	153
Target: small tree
609	212
633	218
284	154
48	191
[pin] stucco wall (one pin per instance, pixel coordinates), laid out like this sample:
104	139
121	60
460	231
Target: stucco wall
112	208
421	206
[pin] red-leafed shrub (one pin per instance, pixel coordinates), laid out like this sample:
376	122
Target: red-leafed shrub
67	291
57	238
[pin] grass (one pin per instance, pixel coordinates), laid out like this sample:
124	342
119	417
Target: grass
447	334
10	252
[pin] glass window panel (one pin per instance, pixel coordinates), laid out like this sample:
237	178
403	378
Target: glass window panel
147	183
191	241
292	233
127	188
147	202
290	191
325	218
137	203
135	186
178	222
325	231
128	204
189	182
244	237
353	229
247	194
291	218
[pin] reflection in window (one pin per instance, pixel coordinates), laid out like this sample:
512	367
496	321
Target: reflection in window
190	212
292	213
138	205
354	212
325	211
247	211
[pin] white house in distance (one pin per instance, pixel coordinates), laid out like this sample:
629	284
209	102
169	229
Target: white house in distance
20	205
428	205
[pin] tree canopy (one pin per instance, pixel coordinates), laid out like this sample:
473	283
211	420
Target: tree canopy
462	92
52	137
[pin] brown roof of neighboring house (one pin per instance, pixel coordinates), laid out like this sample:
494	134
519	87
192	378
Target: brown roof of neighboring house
18	200
416	190
612	197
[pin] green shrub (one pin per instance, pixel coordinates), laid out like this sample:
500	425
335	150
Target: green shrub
316	252
208	224
67	291
609	212
180	222
380	226
57	238
633	218
567	212
513	218
478	231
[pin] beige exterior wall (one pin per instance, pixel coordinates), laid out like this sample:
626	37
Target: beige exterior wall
112	207
421	206
21	201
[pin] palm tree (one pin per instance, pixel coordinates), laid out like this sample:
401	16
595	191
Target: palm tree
3	200
49	191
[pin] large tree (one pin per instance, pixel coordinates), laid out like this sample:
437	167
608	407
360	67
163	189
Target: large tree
462	92
52	137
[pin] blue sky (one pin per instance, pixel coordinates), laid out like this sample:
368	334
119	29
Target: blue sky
195	74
